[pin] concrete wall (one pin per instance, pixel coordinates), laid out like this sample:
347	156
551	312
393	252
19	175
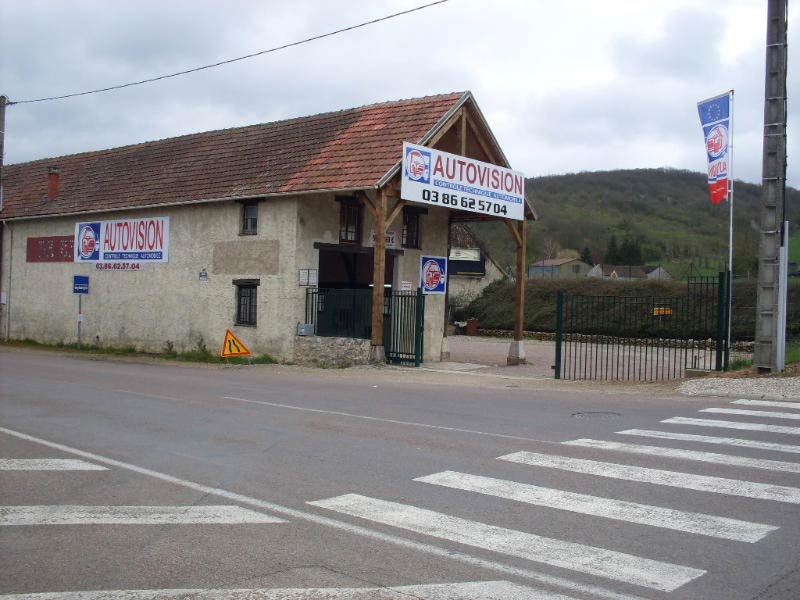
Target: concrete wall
162	301
464	289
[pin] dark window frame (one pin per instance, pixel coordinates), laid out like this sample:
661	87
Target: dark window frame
246	312
411	215
351	219
249	223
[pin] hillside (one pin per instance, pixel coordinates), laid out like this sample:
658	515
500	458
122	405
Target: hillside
666	211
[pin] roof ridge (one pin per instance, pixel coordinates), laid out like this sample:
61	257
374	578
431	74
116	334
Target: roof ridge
238	127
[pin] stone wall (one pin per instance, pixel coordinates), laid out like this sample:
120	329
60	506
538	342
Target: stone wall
330	351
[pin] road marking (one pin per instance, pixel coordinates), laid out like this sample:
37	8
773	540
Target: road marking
752	413
47	464
706	439
131	515
483	590
709	457
443	553
700	483
774	403
733	425
381	420
631	512
614	565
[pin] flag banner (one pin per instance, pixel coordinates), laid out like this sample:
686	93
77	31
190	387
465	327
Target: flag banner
715	116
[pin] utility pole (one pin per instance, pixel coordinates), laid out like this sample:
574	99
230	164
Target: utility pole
773	194
3	102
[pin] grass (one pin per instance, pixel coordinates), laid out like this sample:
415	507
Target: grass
199	353
792	351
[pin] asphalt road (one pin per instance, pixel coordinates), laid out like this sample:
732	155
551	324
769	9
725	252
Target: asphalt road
285	482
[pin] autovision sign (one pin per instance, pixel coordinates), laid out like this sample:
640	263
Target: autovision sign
139	240
438	178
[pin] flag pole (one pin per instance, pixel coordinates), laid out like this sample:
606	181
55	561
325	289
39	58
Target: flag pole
730	232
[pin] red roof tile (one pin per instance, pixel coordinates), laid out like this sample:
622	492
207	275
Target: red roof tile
347	149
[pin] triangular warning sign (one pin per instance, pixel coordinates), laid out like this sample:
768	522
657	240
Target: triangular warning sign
233	346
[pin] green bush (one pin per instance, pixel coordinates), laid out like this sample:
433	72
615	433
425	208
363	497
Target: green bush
494	309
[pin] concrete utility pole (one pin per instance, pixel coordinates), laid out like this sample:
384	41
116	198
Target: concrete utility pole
3	102
773	195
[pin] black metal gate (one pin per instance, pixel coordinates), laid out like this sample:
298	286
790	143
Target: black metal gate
642	338
403	327
348	313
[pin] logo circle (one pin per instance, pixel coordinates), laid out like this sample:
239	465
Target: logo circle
415	164
431	275
717	141
88	241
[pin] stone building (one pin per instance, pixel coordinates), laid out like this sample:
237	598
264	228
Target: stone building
238	229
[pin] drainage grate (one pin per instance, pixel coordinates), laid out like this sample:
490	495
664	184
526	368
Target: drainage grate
596	415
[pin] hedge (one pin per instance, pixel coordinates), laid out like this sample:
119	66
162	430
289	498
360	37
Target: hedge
494	309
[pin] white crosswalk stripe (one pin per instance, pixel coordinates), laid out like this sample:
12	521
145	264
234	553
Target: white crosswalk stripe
483	590
629	512
130	515
707	439
48	464
769	403
709	457
568	555
752	413
689	481
733	425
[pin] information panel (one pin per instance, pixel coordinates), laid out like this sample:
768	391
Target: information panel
138	240
442	179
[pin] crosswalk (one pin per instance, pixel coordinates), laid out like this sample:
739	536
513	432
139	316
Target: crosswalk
603	563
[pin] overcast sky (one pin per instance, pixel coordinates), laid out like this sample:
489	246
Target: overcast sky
567	86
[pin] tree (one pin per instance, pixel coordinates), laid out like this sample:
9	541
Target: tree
612	251
586	256
630	252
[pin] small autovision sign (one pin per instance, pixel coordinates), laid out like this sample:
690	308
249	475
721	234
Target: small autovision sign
433	274
80	284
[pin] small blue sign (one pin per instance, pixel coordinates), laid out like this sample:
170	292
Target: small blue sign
433	274
80	284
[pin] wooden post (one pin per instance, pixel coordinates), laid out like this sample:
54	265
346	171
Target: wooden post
377	351
516	352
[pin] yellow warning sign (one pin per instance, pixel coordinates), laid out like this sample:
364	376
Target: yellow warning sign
233	346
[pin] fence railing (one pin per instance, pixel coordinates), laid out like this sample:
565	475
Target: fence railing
340	313
642	338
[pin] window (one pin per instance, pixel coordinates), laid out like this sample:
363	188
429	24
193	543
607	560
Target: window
349	221
249	218
246	301
410	229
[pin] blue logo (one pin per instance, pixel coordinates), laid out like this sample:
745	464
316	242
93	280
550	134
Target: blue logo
418	165
88	242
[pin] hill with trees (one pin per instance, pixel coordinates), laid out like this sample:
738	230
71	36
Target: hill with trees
650	216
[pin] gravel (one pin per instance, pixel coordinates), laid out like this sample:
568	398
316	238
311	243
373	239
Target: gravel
763	388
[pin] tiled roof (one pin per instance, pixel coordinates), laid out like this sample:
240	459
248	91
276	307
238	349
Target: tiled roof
553	262
347	149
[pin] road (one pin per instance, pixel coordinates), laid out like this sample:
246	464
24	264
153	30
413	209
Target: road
132	480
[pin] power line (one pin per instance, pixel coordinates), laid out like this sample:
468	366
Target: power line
232	60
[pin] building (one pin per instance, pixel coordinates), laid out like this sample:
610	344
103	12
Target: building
472	268
558	268
244	229
629	272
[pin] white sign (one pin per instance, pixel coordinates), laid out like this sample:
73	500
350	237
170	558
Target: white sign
406	286
307	277
442	179
138	240
390	239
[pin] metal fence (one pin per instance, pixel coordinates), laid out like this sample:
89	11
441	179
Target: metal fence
403	326
348	313
642	338
340	313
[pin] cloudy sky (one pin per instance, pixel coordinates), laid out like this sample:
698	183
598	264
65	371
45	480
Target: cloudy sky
567	86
